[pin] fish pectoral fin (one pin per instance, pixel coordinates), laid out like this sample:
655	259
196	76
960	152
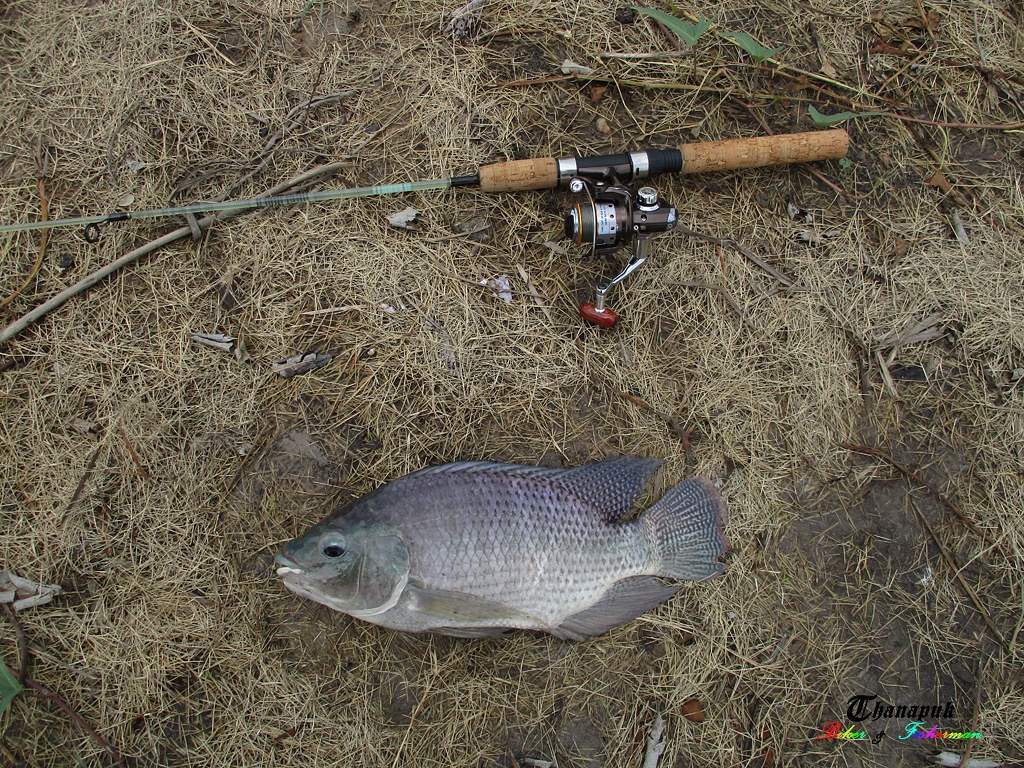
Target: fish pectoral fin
459	606
624	601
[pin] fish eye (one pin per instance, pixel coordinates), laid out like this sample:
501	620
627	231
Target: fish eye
332	545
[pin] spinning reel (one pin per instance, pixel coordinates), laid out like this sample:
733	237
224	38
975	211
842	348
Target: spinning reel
607	221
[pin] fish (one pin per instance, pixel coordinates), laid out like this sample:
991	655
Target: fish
477	549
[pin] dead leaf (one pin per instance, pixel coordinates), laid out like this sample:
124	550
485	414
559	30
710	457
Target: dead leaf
84	427
693	711
570	67
405	219
938	179
465	22
596	92
227	291
219	341
500	288
241	353
303	362
224	343
554	247
23	593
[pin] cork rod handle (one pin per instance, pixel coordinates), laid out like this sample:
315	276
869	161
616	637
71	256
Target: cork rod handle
764	150
731	154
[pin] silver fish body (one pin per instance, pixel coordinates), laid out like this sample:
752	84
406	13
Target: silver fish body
478	548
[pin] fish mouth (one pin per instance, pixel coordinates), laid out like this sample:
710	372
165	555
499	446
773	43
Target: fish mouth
287	565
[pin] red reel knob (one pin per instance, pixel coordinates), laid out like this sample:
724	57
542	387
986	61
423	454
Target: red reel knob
606	318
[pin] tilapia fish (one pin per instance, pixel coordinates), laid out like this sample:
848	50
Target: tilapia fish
478	548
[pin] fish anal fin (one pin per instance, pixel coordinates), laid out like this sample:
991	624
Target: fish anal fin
472	632
623	602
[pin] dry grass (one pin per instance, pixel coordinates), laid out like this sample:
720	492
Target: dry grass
176	640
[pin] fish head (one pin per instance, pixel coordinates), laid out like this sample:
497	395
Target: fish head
358	569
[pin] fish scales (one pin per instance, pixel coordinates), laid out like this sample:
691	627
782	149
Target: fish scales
478	548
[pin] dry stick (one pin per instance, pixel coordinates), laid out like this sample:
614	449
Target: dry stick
135	456
868	451
85	477
977	711
90	280
275	141
44	237
533	292
955	568
111	172
45	693
735	244
723	291
670	419
22	644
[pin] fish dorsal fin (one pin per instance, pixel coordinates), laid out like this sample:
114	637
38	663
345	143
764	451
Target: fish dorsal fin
483	467
459	607
610	486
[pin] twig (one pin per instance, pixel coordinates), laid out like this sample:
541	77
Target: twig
275	141
135	456
743	250
332	310
85	477
22	644
45	693
669	35
644	56
682	434
111	170
720	289
595	77
90	280
869	451
44	235
533	292
977	712
952	564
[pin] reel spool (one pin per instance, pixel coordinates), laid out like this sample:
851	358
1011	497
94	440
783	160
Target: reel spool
607	221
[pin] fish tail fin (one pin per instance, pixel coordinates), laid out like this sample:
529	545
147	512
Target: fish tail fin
686	531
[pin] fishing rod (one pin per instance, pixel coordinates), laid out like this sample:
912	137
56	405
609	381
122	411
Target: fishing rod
610	219
521	175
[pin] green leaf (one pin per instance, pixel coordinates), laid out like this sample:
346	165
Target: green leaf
688	33
9	687
823	121
751	45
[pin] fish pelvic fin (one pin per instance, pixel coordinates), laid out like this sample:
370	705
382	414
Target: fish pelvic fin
686	531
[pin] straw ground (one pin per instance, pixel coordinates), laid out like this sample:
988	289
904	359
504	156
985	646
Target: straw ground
154	477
